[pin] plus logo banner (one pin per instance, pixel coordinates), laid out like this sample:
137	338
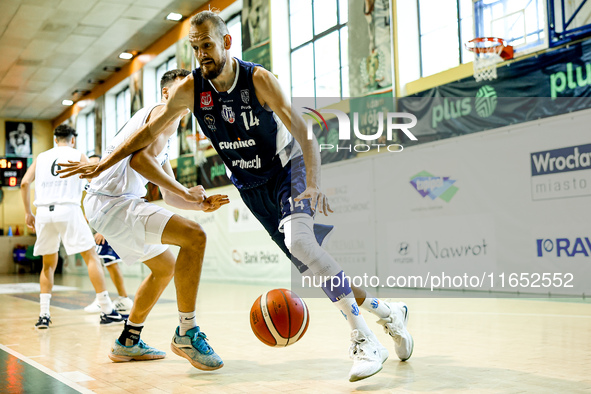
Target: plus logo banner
428	185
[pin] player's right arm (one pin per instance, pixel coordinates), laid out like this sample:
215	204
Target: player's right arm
180	99
145	162
209	204
26	195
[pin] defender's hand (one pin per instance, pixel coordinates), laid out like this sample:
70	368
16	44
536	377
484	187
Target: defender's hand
99	239
213	203
30	221
196	194
318	200
86	170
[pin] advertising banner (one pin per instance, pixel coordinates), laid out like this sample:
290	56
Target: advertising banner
505	205
533	88
212	173
256	44
186	171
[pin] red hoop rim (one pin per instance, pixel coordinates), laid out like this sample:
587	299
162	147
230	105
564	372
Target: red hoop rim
486	42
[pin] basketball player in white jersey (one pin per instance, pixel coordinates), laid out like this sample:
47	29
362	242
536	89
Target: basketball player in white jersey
140	231
59	217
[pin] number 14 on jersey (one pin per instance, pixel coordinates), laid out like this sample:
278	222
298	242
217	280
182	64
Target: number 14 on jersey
254	121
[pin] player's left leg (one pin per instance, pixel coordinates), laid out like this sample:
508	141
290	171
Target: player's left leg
129	346
46	285
367	352
117	278
392	316
110	260
46	245
188	340
123	303
97	277
77	238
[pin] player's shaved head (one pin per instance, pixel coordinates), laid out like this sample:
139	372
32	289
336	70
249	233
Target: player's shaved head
216	22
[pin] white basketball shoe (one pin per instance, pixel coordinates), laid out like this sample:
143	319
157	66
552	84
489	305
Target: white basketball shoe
123	305
368	355
395	326
94	307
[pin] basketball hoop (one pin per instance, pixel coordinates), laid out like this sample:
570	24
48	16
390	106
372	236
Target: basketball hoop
198	145
488	53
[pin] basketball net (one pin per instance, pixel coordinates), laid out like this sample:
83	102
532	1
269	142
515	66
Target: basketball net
488	53
485	63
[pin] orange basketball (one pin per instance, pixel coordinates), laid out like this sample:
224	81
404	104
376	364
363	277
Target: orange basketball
279	318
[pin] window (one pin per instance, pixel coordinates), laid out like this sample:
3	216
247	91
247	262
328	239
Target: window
90	133
235	28
85	130
520	22
444	27
122	108
319	48
169	64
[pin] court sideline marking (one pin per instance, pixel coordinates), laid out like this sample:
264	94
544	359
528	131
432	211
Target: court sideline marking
46	370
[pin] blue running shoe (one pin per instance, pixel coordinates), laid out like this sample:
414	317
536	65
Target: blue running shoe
194	347
139	352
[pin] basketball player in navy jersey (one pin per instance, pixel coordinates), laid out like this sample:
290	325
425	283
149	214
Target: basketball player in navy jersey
243	111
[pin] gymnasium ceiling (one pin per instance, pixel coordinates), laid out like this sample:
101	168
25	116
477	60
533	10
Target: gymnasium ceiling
52	48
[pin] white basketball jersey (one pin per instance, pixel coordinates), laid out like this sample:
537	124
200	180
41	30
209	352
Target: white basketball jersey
121	179
50	189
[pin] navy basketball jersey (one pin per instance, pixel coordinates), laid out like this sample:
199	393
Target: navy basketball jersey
251	140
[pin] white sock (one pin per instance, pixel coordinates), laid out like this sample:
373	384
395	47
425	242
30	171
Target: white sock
130	323
375	306
105	302
44	302
350	310
186	322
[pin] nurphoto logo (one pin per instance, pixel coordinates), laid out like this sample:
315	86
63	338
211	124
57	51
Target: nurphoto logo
390	119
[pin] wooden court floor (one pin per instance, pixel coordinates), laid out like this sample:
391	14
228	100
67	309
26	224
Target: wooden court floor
480	345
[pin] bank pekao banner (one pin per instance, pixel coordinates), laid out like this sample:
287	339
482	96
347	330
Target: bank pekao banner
237	250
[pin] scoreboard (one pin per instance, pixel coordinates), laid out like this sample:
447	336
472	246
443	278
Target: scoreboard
12	170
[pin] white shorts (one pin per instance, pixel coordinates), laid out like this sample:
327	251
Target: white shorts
132	226
63	222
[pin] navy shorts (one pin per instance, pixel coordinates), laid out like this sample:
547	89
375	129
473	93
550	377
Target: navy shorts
273	202
107	254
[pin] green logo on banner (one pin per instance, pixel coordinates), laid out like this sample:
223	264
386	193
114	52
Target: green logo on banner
486	101
485	105
216	170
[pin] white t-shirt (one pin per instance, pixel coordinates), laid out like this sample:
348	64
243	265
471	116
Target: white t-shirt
50	189
121	179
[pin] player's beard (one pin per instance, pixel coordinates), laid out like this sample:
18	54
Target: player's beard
217	69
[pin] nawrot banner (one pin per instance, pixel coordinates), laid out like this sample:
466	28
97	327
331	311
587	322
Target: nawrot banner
541	86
